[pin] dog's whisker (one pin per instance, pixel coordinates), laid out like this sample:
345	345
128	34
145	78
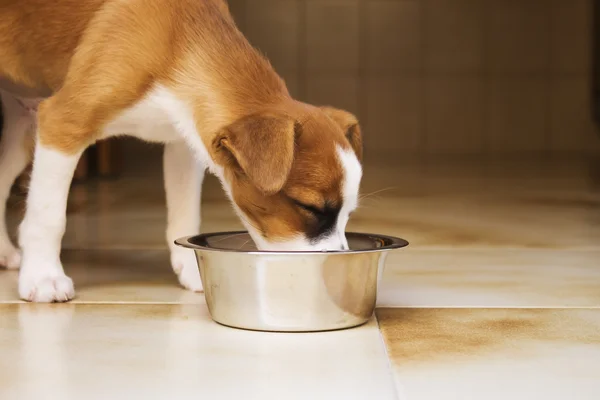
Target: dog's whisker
367	195
228	237
245	243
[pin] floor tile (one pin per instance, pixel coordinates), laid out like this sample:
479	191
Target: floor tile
499	205
115	276
494	353
175	351
491	278
411	278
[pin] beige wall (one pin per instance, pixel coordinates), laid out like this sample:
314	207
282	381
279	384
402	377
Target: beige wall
438	76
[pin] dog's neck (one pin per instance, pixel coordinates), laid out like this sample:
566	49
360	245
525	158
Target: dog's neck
223	78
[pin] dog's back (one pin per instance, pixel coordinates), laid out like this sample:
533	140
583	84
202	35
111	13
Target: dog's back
38	38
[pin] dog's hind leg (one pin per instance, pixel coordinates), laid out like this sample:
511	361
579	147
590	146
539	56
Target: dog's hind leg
116	64
15	155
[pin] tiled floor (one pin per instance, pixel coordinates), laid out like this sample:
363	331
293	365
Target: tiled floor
174	351
498	296
494	354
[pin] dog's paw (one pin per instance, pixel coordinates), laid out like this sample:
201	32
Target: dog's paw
45	287
10	257
185	266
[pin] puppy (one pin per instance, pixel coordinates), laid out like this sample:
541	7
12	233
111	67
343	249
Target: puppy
177	72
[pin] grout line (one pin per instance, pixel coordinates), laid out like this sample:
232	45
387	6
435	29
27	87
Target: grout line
422	143
493	307
302	67
390	366
413	247
486	84
386	72
107	302
362	92
241	20
582	249
481	76
379	307
547	148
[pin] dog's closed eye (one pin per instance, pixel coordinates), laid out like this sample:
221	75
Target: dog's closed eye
314	210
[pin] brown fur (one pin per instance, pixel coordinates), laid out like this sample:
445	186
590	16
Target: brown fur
275	214
99	57
251	143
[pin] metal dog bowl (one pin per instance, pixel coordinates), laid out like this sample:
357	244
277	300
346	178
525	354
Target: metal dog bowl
289	291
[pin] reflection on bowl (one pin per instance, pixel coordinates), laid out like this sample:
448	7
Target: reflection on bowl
290	291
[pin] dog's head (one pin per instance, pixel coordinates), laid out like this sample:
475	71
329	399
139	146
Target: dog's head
293	181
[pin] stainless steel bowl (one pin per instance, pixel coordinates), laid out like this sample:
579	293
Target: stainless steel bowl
289	291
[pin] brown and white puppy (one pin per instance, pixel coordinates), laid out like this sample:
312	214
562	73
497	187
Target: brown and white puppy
177	72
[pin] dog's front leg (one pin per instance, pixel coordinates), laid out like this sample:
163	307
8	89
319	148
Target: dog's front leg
183	183
42	278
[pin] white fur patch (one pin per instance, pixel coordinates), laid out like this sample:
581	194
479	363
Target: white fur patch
42	278
181	117
350	188
146	120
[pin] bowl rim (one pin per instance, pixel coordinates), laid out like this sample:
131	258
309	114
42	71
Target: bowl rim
394	243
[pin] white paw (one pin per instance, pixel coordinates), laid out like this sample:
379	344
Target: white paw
10	257
185	266
45	287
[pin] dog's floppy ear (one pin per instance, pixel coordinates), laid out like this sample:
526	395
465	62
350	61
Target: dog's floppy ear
261	146
349	123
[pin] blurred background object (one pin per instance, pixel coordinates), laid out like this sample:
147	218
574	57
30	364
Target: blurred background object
439	77
596	63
